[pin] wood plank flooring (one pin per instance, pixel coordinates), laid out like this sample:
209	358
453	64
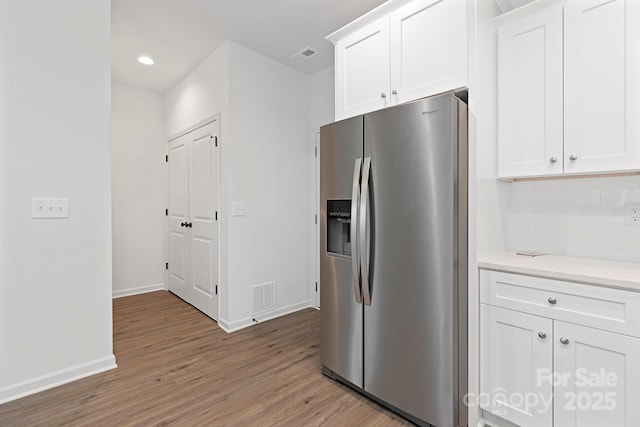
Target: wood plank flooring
176	367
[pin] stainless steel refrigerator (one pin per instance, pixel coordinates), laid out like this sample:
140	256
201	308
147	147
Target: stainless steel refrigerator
393	276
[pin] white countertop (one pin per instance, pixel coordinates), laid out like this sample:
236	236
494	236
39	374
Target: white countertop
614	274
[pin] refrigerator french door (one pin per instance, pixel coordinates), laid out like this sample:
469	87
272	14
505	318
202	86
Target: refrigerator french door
394	257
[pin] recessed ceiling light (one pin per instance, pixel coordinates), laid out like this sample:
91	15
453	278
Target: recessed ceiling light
145	60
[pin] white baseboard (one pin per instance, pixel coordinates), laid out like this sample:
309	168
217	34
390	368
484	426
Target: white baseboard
139	290
54	379
246	322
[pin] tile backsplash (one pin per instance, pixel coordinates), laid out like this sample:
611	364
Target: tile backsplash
575	217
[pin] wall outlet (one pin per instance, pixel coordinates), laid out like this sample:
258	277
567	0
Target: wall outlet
632	214
49	208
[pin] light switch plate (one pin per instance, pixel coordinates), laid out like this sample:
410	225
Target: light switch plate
237	209
49	208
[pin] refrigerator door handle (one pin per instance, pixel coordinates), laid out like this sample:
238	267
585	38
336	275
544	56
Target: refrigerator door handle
364	229
355	202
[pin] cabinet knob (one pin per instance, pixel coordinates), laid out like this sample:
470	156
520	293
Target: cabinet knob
552	300
542	335
383	95
183	224
394	92
573	157
564	340
553	160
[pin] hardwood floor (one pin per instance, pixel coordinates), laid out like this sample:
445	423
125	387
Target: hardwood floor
176	367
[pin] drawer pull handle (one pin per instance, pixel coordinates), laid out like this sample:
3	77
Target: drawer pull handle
542	335
552	300
564	340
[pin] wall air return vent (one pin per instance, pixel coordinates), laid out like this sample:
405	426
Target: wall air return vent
264	297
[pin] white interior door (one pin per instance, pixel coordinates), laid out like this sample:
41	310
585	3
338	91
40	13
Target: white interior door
203	207
194	171
178	260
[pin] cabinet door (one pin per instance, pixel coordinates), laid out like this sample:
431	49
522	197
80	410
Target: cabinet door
602	85
597	377
516	366
362	70
530	95
428	48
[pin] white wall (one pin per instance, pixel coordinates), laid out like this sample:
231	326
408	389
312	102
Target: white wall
266	160
201	94
321	98
55	275
321	112
487	212
577	217
491	193
264	152
139	189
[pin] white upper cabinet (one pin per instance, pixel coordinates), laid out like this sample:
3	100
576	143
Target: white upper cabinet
602	85
428	49
569	89
530	95
363	61
401	51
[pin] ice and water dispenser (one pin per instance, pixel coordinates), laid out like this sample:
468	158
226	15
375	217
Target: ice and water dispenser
339	227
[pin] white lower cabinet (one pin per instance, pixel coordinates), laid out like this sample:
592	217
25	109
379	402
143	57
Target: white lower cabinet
515	347
598	377
537	370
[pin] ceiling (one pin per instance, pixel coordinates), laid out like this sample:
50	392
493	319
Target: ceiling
178	34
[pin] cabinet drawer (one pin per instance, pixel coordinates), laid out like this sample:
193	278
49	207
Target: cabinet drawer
599	307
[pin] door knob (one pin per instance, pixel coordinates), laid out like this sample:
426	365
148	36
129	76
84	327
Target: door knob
383	95
564	340
542	335
552	300
573	157
394	92
553	160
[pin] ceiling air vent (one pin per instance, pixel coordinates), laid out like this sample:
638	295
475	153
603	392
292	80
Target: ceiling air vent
304	54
